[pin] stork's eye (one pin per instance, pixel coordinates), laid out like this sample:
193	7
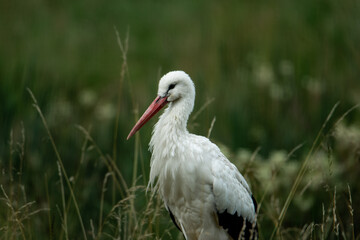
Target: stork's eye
171	86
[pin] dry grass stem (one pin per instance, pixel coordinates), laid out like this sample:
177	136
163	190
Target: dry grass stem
203	107
351	211
211	126
64	224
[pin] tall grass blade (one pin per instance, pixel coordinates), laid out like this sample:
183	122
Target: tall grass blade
108	163
36	106
124	70
351	210
301	173
103	190
49	212
211	127
203	107
65	228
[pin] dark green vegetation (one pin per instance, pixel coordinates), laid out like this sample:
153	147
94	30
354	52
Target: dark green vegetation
271	73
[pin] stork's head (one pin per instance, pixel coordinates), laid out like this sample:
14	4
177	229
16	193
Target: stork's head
174	87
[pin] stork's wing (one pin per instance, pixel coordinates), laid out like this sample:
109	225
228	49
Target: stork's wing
173	218
237	226
177	224
235	205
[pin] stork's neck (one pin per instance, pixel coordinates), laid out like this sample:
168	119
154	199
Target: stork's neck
169	136
171	126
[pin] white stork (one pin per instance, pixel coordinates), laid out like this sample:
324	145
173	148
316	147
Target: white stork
205	194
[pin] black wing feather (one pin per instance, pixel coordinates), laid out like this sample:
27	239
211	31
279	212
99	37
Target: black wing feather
237	226
173	219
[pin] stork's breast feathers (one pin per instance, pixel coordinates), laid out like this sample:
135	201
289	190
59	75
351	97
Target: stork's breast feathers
231	192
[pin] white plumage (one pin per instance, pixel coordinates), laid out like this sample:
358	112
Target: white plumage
205	194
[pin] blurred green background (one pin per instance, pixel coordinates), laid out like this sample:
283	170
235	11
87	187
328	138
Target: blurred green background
270	71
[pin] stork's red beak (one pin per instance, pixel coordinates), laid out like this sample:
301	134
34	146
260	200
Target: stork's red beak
154	107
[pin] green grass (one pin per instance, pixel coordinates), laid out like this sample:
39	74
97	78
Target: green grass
277	88
141	216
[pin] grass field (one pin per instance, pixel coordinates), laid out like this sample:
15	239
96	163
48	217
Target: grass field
280	81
